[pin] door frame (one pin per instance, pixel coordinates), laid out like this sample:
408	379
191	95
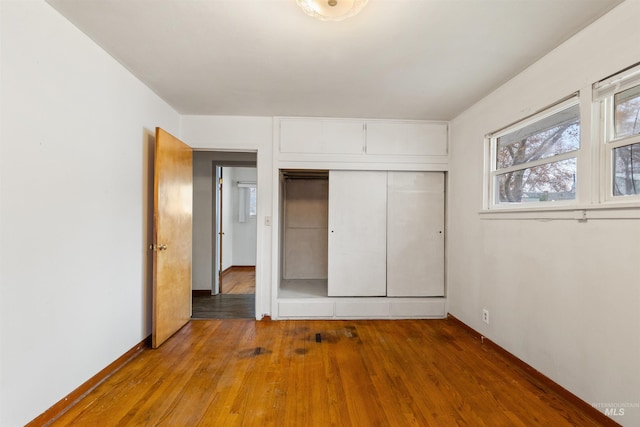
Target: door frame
227	158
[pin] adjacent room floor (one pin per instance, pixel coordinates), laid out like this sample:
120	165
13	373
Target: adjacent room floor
236	300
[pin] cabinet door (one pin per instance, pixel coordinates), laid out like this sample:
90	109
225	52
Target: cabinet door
357	233
321	136
407	138
415	234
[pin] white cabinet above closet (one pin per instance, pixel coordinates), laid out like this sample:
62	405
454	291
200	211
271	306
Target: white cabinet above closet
406	138
321	136
378	143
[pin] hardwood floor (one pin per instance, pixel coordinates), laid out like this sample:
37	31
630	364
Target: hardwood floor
236	301
224	306
323	373
239	280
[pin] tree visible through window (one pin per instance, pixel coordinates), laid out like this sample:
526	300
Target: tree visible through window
626	159
536	161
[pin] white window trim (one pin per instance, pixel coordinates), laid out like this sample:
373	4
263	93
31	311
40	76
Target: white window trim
603	97
489	203
594	194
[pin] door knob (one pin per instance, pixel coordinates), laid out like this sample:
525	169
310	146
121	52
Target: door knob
161	247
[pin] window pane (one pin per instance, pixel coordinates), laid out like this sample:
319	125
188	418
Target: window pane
544	183
626	162
253	201
553	135
627	112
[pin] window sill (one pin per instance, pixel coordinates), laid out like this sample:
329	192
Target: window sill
573	212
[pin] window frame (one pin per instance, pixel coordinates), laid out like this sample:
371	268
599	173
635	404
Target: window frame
491	152
253	199
245	194
604	93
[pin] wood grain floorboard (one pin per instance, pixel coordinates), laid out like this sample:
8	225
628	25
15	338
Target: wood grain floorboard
237	300
224	306
239	280
322	373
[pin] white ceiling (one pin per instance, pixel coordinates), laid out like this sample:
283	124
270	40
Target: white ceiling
411	59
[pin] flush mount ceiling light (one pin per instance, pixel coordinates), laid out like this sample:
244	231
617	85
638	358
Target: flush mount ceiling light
331	10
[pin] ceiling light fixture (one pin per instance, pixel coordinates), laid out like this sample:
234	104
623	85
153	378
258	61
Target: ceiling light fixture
332	10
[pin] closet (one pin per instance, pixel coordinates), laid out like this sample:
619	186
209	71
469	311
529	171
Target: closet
359	221
349	233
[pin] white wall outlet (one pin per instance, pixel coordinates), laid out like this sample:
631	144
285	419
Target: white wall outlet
485	316
267	220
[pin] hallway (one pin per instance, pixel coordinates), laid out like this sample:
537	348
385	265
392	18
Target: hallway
236	301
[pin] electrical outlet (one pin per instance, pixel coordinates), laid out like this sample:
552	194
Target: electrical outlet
485	316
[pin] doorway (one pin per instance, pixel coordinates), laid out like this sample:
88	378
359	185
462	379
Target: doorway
225	232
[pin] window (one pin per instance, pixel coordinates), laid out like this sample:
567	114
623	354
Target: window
253	202
620	106
535	161
247	201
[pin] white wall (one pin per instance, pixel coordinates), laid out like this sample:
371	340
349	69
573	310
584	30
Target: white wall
76	135
244	233
563	296
252	134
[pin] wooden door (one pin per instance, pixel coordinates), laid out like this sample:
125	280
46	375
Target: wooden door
357	233
173	194
415	234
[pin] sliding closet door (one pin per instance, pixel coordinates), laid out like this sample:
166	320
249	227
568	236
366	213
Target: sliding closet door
415	234
357	233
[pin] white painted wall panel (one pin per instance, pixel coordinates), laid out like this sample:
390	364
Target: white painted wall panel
306	309
363	309
423	307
